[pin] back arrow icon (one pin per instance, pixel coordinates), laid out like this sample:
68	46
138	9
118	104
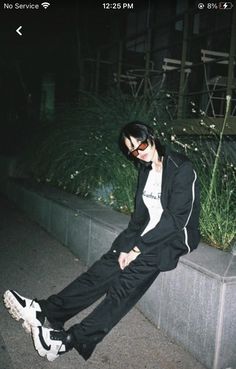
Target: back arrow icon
18	30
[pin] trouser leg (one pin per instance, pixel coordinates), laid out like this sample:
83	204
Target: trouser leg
122	295
82	292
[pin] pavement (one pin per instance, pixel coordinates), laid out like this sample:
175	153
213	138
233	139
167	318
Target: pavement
36	265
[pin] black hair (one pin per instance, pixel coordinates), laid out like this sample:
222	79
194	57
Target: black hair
142	132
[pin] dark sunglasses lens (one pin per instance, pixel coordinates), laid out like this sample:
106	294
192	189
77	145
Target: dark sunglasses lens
134	153
143	146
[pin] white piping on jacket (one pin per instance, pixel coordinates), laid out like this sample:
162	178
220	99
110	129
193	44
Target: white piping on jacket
190	213
169	157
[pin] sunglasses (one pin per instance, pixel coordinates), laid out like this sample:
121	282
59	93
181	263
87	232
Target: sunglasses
141	147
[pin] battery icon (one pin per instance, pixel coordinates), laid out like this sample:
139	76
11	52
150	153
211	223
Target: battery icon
225	5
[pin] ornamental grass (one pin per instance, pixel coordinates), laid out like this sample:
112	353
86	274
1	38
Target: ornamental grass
80	154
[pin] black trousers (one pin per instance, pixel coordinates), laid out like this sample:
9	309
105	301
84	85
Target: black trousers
122	289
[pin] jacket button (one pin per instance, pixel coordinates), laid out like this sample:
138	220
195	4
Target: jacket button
114	251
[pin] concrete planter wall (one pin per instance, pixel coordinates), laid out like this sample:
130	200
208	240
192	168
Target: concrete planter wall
194	304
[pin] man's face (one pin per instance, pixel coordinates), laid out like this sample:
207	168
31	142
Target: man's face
143	150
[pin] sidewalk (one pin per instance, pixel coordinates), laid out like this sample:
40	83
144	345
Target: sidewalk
36	265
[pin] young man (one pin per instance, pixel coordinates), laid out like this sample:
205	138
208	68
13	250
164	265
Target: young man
163	226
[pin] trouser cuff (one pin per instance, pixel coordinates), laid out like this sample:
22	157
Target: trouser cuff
85	349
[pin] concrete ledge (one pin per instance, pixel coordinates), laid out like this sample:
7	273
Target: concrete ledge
194	304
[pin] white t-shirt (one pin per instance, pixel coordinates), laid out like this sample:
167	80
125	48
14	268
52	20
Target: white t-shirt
152	198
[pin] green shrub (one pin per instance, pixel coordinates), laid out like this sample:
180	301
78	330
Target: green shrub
217	220
81	155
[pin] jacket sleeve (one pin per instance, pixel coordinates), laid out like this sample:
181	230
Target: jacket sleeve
177	213
125	241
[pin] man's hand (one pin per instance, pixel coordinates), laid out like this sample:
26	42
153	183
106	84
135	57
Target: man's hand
123	260
126	258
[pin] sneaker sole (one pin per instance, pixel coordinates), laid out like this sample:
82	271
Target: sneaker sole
26	326
14	310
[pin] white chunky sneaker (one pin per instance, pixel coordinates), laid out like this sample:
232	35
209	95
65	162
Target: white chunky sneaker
22	308
51	343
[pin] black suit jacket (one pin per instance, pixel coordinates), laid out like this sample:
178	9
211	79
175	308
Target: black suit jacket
177	232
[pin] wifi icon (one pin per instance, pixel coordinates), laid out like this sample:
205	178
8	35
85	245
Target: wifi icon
45	5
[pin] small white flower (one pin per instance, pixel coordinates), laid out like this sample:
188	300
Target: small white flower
163	134
72	176
184	129
193	111
172	137
192	103
85	153
76	172
212	126
196	149
167	95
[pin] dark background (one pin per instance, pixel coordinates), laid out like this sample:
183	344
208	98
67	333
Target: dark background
49	44
56	39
